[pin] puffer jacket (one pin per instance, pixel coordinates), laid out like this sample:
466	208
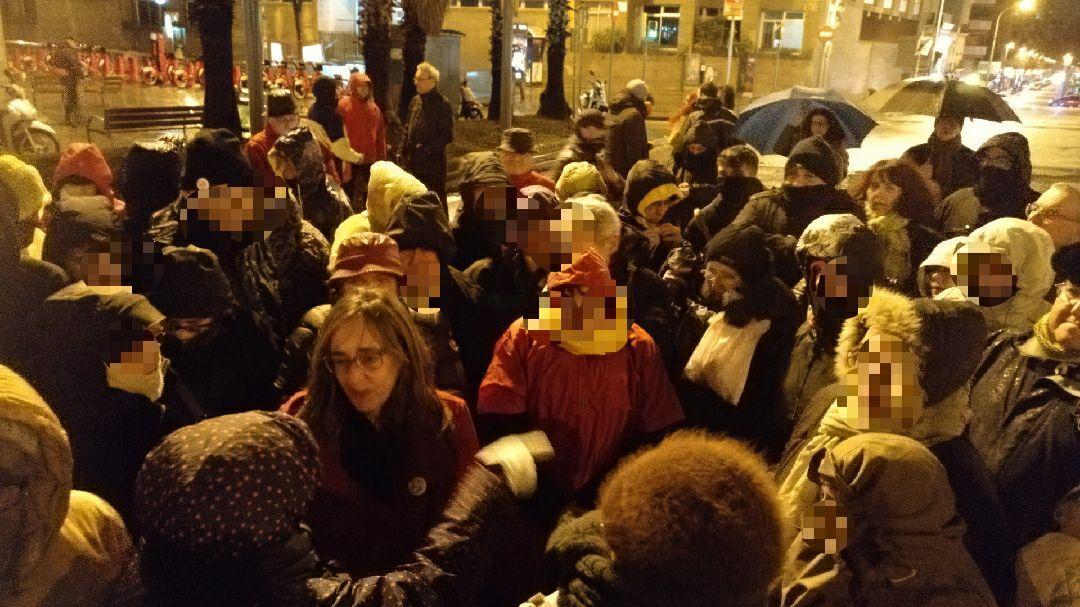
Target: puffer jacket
628	142
904	543
277	278
68	547
1026	426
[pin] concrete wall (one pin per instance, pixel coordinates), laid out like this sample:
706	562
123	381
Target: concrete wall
475	23
93	22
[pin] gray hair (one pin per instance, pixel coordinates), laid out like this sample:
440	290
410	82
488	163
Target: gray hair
591	208
428	69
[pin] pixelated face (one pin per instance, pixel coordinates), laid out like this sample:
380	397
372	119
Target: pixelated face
940	279
238	210
76	190
819	126
579	310
882	393
100	266
719	279
881	196
423	278
514	163
383	281
137	358
825	524
986	278
366	371
594	134
1064	318
838	287
996	158
799	177
947	128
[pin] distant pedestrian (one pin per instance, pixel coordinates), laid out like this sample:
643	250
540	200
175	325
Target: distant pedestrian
588	144
954	163
627	140
365	129
429	129
66	59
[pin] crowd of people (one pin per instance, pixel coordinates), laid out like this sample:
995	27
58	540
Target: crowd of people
279	374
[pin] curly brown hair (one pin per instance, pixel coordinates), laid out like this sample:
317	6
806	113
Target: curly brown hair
916	196
835	136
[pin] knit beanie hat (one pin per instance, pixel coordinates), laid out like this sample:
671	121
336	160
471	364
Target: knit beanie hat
150	177
280	102
420	222
744	249
580	178
23	181
192	285
1016	146
216	155
694	521
947	338
648	183
815	155
638	88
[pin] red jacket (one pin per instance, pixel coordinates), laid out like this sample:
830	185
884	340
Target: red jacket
257	151
369	535
363	122
531	178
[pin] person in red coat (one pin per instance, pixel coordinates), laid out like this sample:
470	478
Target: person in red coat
392	447
364	127
281	117
582	373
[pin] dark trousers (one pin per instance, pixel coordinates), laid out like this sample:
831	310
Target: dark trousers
70	92
434	177
357	188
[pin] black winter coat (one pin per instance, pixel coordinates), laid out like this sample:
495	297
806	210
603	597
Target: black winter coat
429	129
24	285
728	200
806	394
628	142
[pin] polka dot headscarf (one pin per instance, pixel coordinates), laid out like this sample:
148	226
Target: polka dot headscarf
229	486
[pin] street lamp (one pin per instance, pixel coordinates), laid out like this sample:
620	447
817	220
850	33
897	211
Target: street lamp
1024	6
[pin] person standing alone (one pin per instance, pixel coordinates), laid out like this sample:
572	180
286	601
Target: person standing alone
429	130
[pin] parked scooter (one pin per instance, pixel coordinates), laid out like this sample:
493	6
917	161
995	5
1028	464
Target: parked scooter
595	97
21	131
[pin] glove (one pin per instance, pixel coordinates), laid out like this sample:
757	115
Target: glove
342	150
517	456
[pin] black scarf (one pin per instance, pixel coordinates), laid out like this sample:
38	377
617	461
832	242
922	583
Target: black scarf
374	460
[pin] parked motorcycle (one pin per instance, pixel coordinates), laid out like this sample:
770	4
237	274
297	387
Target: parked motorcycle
21	131
470	107
595	97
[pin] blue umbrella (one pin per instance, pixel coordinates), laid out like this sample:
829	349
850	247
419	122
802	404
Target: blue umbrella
769	123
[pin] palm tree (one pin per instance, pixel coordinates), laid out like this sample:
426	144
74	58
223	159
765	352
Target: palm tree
375	32
298	10
494	108
553	99
423	18
214	19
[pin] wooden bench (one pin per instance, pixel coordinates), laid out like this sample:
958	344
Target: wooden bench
104	87
126	119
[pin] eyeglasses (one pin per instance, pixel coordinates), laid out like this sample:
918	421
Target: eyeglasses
366	359
1068	291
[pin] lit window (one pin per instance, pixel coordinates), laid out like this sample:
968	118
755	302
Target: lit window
782	30
662	26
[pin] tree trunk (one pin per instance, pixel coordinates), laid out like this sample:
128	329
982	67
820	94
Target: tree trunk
298	11
375	24
214	21
496	61
412	55
553	99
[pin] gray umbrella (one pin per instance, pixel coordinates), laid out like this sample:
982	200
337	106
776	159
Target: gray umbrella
936	97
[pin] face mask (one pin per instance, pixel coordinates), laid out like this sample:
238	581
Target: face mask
998	188
151	385
806	195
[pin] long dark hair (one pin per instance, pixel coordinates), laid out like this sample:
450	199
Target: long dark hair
835	136
916	197
413	400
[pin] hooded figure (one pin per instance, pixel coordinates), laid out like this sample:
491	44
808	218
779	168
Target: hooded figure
721	543
935	272
1026	408
897	542
916	356
588	144
386	187
582	373
81	238
363	121
696	166
83	164
981	278
296	158
275	260
148	181
627	140
651	192
1002	187
61	547
324	111
734	349
580	178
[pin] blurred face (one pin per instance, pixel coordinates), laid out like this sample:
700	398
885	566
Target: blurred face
1063	229
825	524
695	148
365	370
882	394
141	358
187	329
100	268
654	213
580	310
947	129
423	277
383	281
799	177
282	166
995	158
363	90
75	190
881	196
594	133
1064	318
424	82
719	279
238	210
819	126
514	163
284	124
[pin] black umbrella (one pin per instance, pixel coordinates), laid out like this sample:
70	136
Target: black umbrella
936	97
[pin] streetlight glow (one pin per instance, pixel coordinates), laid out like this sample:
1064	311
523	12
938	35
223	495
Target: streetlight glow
1067	59
1026	6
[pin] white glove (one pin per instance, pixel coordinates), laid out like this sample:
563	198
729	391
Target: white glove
344	151
518	455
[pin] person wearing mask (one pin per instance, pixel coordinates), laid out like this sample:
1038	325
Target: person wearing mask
324	110
710	111
1024	409
627	141
588	144
365	129
83	171
224	362
1048	569
281	117
393	449
841	261
1004	268
62	547
738	167
808	192
1057	211
1001	188
722	543
875	537
275	260
903	367
297	159
651	193
898	208
696	167
200	548
734	345
428	130
954	165
515	151
25	282
582	373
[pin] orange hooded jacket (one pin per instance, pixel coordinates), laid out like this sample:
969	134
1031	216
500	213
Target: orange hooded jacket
363	121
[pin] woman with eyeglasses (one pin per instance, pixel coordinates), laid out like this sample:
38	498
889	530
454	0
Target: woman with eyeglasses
392	447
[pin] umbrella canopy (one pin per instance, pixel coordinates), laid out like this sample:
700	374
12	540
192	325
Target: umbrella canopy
770	123
936	97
